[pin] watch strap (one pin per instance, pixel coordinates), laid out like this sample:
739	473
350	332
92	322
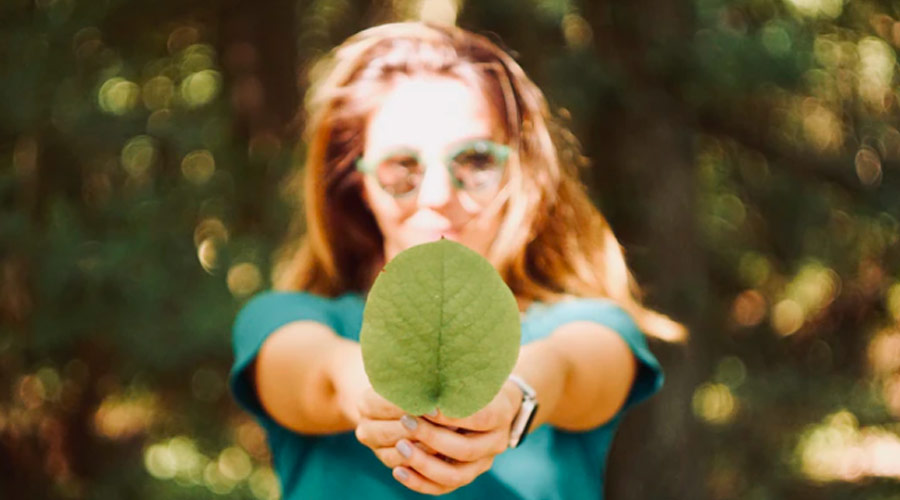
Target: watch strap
525	416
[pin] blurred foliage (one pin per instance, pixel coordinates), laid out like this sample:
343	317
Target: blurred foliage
746	152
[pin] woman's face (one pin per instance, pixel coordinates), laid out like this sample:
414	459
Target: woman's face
428	118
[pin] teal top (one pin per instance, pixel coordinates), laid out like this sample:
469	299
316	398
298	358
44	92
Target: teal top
550	464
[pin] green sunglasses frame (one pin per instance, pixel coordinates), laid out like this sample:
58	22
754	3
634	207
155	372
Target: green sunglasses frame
501	151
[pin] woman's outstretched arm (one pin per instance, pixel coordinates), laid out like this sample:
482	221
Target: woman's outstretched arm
582	373
309	379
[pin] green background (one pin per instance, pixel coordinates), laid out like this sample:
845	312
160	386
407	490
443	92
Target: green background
746	153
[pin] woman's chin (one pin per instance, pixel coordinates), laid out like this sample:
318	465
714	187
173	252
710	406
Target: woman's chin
427	237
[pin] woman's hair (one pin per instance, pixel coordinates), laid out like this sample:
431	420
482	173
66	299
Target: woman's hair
552	242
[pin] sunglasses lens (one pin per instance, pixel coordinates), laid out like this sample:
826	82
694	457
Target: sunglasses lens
477	167
399	174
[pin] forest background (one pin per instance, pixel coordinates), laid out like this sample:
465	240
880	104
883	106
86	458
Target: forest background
746	153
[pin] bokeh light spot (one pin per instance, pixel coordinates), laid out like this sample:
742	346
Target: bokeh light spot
817	8
893	301
118	96
748	308
868	167
244	279
839	450
776	39
787	317
198	166
234	464
714	403
160	462
577	31
138	155
210	228
208	254
215	481
196	58
158	93
200	88
876	71
123	415
31	392
822	128
884	352
264	484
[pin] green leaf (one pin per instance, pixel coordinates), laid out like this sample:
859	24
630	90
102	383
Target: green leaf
440	329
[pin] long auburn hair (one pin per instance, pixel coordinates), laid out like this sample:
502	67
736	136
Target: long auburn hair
553	243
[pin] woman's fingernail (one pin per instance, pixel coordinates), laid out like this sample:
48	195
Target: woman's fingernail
409	422
402	473
404	448
432	413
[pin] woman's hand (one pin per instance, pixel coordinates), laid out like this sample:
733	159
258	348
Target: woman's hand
413	447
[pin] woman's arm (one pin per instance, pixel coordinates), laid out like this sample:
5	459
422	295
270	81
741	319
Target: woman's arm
308	378
582	374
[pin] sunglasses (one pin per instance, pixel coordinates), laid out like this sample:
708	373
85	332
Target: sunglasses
475	166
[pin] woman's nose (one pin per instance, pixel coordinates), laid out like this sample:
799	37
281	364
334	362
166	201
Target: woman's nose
436	189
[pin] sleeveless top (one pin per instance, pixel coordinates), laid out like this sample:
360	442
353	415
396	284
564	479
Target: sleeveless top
550	464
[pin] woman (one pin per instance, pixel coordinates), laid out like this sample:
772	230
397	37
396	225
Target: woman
416	132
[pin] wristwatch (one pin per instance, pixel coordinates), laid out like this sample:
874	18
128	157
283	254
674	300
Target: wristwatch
522	421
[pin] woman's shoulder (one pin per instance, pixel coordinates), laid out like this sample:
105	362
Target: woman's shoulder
293	298
542	318
282	305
